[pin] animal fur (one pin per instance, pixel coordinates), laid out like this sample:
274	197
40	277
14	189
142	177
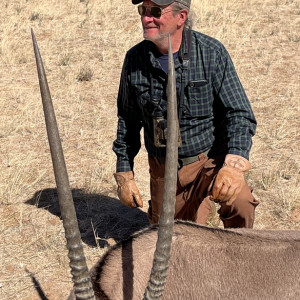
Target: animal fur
206	263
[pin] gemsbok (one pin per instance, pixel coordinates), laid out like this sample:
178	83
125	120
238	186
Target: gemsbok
204	263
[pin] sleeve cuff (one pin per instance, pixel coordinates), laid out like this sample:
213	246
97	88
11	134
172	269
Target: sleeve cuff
239	152
123	166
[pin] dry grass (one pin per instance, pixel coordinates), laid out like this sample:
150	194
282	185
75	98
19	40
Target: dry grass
83	43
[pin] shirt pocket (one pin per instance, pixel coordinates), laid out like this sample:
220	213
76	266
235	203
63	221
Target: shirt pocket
200	98
144	102
144	99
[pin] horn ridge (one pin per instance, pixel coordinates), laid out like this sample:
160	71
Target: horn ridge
81	278
160	266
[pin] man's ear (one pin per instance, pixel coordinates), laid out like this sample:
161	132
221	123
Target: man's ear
183	14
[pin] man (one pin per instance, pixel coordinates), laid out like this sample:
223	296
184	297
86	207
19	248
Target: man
215	118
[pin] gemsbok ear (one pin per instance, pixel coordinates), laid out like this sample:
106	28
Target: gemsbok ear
81	278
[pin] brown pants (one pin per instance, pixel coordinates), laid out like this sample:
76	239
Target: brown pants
192	196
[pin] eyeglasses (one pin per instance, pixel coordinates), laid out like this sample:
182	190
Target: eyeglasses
155	11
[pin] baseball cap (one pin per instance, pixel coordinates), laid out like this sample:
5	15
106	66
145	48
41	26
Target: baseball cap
165	2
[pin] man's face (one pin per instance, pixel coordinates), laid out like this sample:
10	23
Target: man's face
156	30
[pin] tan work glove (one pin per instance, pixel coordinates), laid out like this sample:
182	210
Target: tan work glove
230	179
128	192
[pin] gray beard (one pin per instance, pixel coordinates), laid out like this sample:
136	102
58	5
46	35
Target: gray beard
160	39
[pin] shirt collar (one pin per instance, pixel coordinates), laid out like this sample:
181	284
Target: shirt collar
150	49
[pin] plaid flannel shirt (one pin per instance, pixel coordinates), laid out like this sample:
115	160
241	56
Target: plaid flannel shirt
216	109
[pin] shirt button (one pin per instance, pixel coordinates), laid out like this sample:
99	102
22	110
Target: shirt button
191	84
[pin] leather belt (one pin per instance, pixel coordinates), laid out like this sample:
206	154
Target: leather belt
182	161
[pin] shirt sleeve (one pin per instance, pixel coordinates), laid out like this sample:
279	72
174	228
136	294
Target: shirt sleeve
128	142
239	118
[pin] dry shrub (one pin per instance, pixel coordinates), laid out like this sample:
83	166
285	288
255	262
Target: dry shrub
85	73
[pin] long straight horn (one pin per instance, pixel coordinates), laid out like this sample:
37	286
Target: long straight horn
81	278
160	267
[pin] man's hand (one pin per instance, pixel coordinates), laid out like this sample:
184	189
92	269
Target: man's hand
230	179
128	192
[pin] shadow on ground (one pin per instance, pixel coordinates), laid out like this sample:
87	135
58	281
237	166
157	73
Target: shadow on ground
37	285
110	218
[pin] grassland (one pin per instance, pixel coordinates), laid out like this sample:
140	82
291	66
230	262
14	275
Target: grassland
83	43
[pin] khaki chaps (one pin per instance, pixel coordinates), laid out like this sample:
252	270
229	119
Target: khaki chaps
192	197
